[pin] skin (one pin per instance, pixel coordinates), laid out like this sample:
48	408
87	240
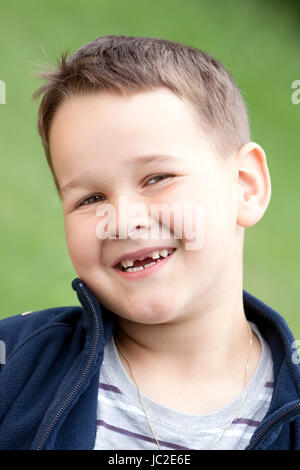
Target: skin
183	328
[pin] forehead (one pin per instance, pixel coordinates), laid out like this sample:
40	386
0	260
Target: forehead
106	125
112	110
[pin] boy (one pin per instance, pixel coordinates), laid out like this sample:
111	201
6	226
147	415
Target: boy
167	350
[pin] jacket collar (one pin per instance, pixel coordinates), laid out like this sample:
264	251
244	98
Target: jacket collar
285	403
271	325
278	335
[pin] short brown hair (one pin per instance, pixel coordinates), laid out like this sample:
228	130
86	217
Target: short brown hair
128	64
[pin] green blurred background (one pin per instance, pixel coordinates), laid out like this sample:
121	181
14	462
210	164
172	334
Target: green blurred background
257	41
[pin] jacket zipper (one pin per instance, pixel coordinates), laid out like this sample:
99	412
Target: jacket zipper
274	421
92	310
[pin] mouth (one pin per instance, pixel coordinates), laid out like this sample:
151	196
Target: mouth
144	264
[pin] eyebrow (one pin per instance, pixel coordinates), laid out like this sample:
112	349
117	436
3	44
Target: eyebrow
84	180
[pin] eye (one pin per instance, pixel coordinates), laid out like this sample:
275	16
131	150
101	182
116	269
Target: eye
86	202
158	176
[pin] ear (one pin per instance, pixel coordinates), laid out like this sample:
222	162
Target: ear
254	184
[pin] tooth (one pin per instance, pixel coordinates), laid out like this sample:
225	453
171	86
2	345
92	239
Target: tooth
164	253
130	270
126	263
147	265
155	255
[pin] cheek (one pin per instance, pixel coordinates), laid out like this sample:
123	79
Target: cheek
82	241
207	223
219	234
186	207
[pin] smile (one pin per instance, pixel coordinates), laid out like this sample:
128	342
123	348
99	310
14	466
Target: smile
131	270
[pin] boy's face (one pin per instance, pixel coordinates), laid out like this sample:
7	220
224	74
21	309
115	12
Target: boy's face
102	138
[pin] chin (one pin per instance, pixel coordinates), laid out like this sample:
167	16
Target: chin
151	315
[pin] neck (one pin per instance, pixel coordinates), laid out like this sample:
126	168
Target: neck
195	347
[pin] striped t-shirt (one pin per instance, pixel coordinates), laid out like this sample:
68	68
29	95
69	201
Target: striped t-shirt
122	424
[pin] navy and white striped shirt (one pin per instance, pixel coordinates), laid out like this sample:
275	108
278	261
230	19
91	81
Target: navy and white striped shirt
122	424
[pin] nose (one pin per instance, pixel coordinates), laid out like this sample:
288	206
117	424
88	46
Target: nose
128	218
132	218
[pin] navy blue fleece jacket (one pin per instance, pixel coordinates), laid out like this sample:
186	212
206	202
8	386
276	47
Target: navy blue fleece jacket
49	381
